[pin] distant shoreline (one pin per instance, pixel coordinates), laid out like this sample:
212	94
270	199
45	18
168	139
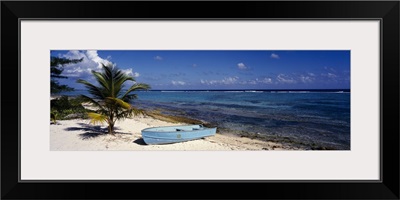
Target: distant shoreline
228	90
266	90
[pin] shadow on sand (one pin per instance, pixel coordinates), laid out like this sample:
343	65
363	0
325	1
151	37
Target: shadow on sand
91	131
139	141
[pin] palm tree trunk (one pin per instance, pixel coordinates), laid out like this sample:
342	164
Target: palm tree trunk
111	123
111	128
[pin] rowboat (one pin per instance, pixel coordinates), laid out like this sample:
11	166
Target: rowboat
174	134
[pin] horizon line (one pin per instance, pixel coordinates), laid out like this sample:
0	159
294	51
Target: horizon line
244	89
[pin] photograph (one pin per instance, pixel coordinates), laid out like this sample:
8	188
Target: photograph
188	100
102	99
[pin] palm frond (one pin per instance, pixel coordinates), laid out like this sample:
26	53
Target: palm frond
136	86
96	118
101	79
109	76
130	97
119	83
118	102
90	100
136	111
129	113
93	90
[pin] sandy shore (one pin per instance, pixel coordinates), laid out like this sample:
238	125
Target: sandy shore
79	135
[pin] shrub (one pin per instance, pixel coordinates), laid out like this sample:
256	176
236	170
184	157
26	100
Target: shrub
66	108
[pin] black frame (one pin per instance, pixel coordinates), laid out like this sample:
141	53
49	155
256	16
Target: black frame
386	11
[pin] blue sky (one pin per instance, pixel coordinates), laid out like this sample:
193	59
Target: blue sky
219	69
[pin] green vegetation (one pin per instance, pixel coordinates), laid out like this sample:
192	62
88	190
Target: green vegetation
56	68
62	108
109	98
65	108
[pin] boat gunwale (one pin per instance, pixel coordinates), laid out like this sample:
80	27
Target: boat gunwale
191	131
203	128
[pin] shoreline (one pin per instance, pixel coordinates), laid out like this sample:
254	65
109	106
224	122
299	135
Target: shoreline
224	136
282	141
79	135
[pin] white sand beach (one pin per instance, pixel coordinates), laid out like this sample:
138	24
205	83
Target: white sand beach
80	135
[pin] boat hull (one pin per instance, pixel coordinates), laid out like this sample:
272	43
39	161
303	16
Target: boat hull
174	134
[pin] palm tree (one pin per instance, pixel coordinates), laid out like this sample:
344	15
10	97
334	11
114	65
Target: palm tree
109	97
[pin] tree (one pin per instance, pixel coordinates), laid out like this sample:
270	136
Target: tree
109	97
56	68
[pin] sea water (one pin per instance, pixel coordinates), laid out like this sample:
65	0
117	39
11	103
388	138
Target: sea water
312	118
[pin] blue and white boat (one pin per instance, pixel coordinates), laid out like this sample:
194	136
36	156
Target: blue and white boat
174	134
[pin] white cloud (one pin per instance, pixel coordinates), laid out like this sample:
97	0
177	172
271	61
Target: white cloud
230	80
275	56
207	82
265	80
130	72
178	83
241	66
257	81
331	75
235	80
92	55
306	79
91	61
251	82
329	69
194	65
281	78
158	58
225	81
